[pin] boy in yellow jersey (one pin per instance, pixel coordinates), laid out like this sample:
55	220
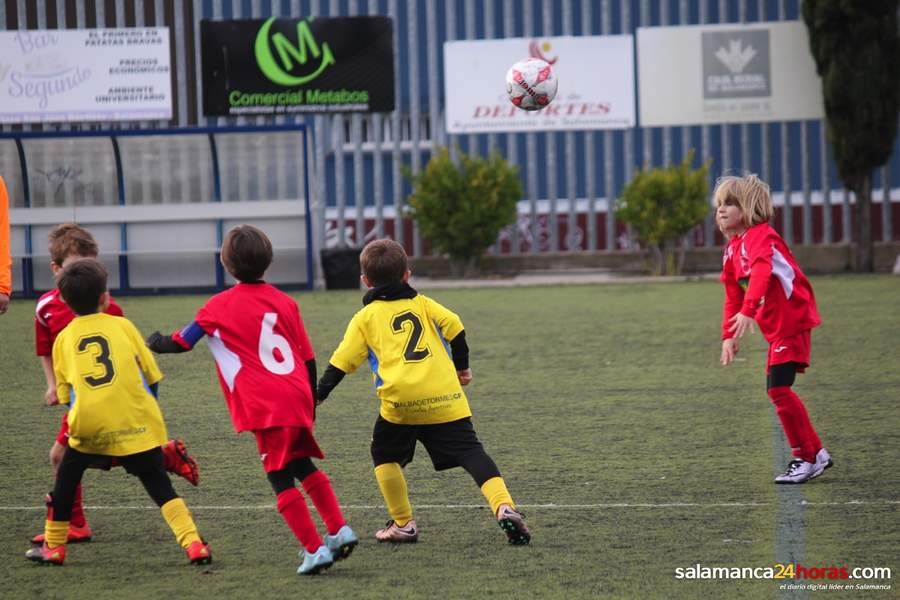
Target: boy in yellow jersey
109	377
420	360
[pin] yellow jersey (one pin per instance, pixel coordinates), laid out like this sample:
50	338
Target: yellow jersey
406	344
104	370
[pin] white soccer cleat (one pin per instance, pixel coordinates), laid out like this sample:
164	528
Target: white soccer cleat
798	471
341	543
823	461
316	562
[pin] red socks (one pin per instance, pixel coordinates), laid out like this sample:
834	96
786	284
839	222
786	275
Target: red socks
295	513
318	488
795	421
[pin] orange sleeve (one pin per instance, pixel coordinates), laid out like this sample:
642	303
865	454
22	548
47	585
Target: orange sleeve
5	258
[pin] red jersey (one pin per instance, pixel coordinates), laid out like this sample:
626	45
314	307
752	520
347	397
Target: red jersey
764	282
260	345
51	315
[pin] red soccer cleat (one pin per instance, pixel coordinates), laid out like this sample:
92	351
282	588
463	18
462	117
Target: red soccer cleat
199	554
177	460
47	556
76	535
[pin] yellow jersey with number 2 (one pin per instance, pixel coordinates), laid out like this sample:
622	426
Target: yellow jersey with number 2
406	342
104	370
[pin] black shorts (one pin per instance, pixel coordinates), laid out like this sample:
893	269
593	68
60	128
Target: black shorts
134	464
446	443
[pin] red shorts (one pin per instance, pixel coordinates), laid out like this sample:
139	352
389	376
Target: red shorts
280	445
794	349
63	436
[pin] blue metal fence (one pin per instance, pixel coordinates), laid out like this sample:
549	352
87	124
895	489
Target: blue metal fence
357	188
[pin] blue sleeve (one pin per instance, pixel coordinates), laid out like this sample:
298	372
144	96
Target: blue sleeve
189	335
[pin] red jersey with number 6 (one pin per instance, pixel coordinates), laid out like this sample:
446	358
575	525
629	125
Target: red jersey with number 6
260	345
764	282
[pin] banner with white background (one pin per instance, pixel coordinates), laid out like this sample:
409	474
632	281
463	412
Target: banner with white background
730	73
85	75
596	84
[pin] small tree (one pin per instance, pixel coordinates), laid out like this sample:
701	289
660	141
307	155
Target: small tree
461	206
856	48
662	205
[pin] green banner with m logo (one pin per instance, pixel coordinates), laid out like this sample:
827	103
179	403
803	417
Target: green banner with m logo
283	66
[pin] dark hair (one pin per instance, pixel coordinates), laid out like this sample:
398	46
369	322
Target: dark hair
383	262
70	239
81	285
246	253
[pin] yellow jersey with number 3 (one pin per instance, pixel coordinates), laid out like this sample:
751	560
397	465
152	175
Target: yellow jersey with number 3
406	342
104	370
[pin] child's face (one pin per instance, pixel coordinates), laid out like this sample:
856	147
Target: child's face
729	218
58	269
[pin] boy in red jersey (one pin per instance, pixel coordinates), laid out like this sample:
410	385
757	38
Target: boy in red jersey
107	375
69	242
764	284
419	358
267	370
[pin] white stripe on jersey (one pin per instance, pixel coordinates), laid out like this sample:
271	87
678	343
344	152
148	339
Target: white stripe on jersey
228	362
41	304
782	269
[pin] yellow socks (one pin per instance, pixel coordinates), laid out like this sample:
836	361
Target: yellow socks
495	492
177	515
393	487
56	533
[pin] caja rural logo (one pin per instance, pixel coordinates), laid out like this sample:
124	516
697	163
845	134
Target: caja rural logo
291	57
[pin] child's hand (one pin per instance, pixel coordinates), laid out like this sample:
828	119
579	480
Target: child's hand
465	376
730	348
740	324
50	397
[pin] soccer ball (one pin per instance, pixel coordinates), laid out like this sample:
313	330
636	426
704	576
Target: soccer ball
531	84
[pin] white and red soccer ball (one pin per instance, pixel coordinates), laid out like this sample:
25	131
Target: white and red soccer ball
531	84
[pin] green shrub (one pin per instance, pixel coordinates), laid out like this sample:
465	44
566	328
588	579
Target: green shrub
662	205
461	206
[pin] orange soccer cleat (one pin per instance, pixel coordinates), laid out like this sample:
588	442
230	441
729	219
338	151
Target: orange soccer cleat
47	556
392	532
198	553
177	460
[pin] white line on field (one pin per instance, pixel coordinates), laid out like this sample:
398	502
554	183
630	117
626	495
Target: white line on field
550	506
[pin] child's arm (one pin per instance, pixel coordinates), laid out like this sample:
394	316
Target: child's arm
350	354
330	379
311	371
460	351
760	249
729	351
50	394
180	341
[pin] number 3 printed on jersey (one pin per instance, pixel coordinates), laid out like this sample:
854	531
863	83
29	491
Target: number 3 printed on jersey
281	363
98	346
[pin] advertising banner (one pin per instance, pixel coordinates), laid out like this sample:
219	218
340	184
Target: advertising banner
284	66
596	84
733	73
85	75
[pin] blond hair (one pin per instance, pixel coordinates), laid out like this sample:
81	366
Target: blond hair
749	193
71	239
